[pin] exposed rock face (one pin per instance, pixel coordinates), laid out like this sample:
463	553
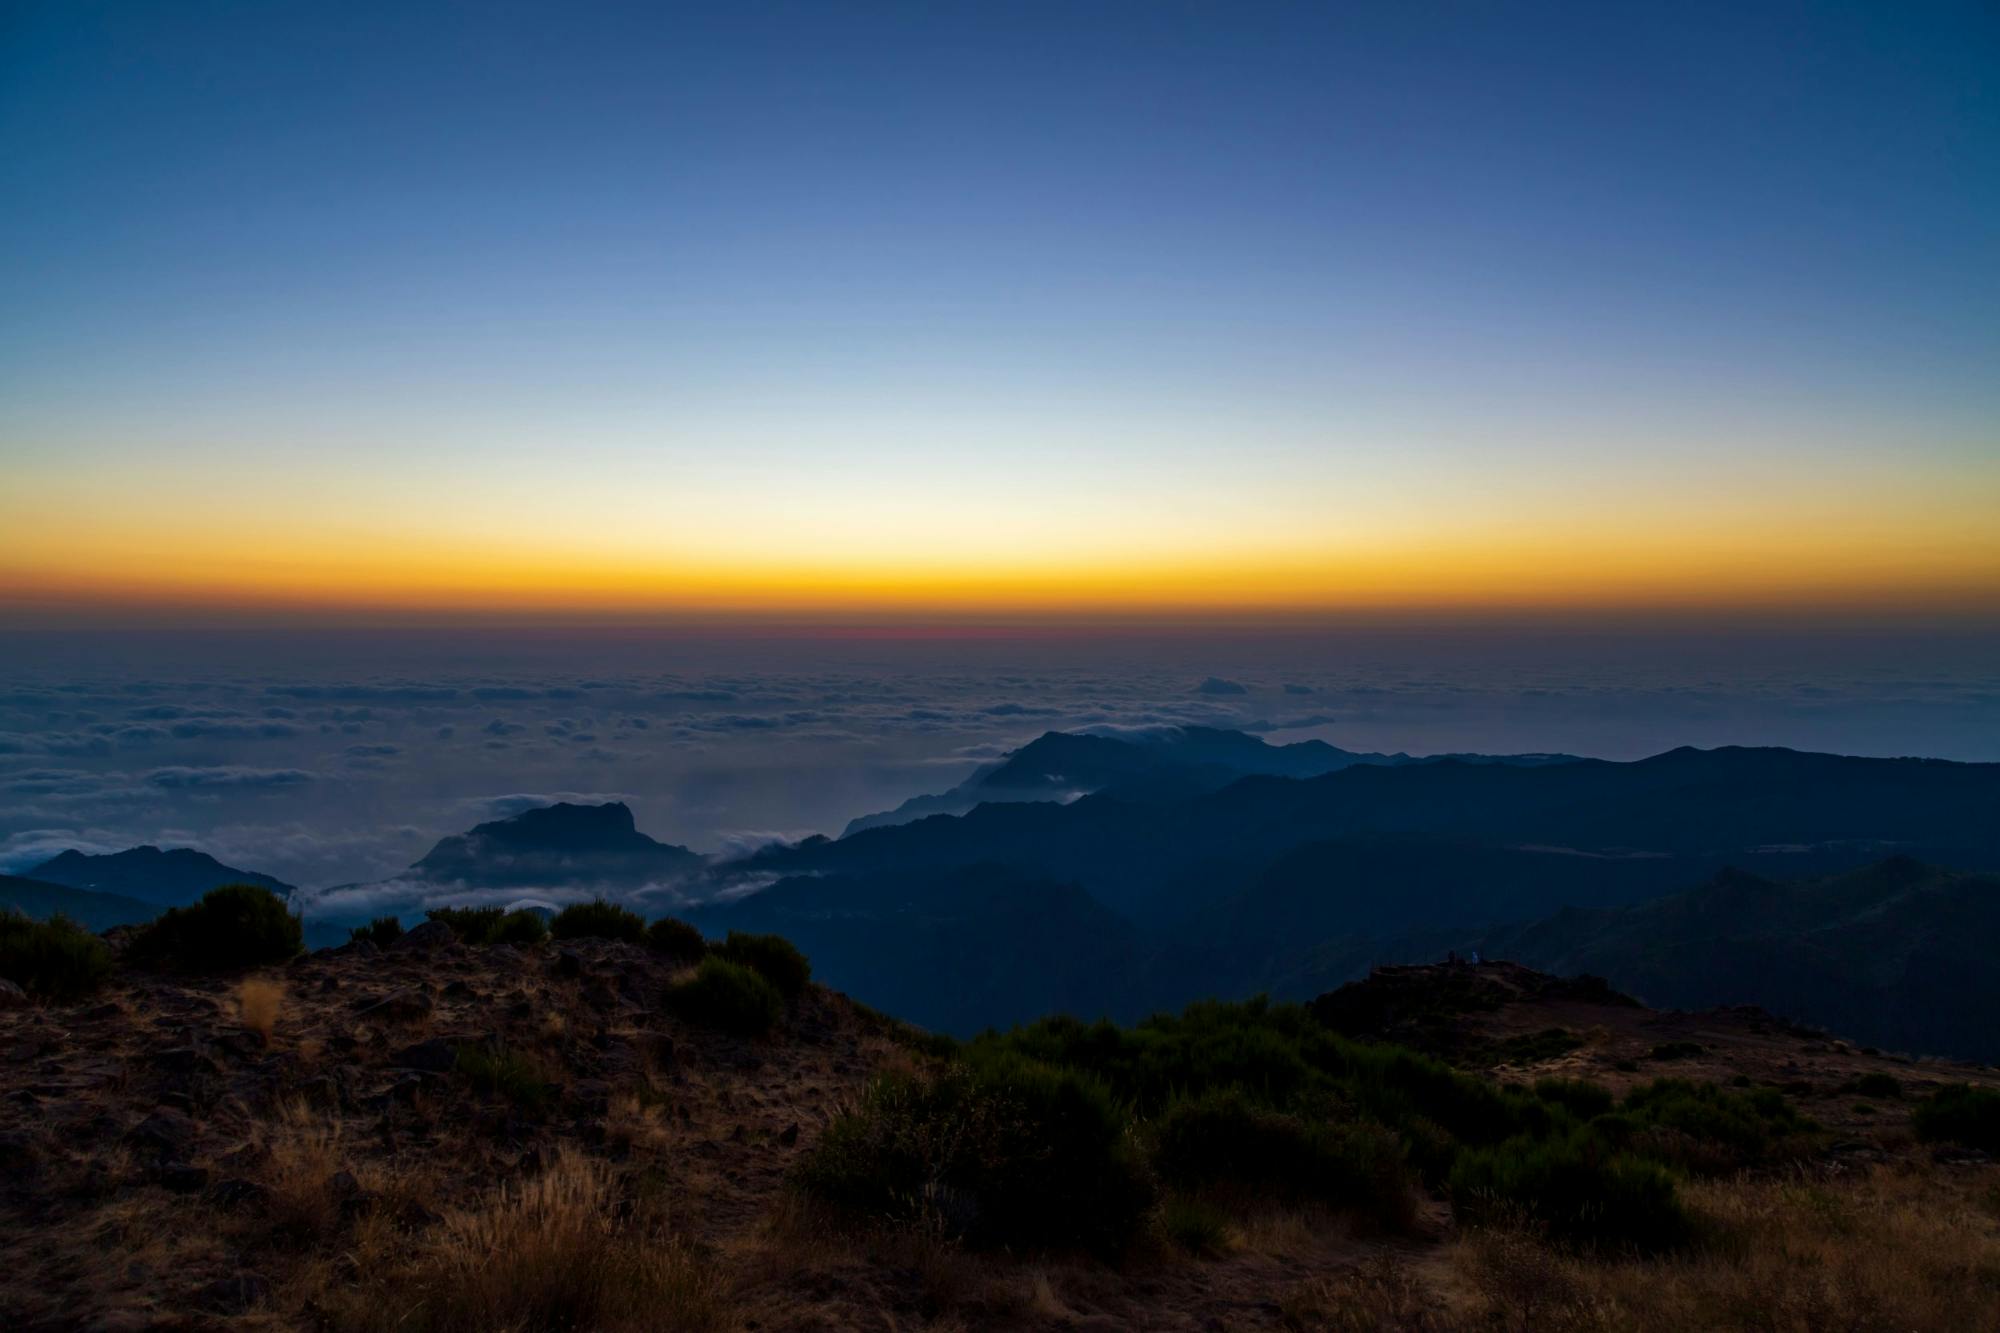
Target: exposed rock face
556	844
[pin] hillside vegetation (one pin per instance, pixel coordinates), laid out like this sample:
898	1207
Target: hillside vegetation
417	1130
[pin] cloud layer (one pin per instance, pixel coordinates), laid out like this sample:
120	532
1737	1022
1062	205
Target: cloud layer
341	759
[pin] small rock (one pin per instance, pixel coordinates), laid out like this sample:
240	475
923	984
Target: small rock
185	1060
181	1177
436	1056
237	1192
234	1294
569	963
343	1185
19	1155
790	1137
404	1005
165	1133
428	936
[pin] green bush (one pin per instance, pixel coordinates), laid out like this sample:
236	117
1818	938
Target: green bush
1195	1225
234	927
1578	1190
598	919
55	959
1961	1114
1707	1129
381	932
1221	1139
520	926
1004	1152
776	958
498	1071
728	996
1580	1097
676	939
478	926
472	925
1885	1086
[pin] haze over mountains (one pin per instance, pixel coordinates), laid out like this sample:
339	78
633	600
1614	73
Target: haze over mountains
1119	875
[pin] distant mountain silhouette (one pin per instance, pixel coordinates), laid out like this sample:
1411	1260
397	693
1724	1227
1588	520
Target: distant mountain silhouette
170	878
1172	762
557	845
1897	954
97	911
1293	885
1163	860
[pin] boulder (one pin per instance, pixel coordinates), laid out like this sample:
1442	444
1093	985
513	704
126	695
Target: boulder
428	936
404	1005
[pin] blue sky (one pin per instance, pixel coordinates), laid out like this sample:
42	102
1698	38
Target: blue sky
1235	276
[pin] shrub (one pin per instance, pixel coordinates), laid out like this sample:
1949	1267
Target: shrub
1885	1086
55	959
1677	1050
728	996
1576	1189
1222	1139
776	958
1704	1128
472	925
1005	1151
1961	1114
497	1070
491	925
381	932
234	927
1580	1097
1195	1225
520	926
676	939
598	919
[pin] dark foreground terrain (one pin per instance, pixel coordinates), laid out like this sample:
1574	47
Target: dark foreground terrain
438	1135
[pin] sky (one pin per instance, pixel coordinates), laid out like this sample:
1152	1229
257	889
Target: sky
938	313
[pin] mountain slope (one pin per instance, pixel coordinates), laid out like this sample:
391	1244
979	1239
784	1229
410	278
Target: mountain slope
96	911
1165	860
170	878
1898	954
1168	764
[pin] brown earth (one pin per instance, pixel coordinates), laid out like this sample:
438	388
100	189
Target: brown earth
293	1150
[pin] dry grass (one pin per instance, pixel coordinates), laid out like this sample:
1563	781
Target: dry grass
1908	1249
303	1154
1381	1296
635	1127
548	1253
259	1001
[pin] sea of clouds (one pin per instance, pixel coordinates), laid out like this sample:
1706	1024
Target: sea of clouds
328	757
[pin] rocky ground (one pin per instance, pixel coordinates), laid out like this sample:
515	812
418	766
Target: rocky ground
304	1148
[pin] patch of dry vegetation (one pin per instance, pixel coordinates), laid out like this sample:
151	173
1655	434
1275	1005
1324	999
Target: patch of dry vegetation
259	1001
1904	1248
549	1252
